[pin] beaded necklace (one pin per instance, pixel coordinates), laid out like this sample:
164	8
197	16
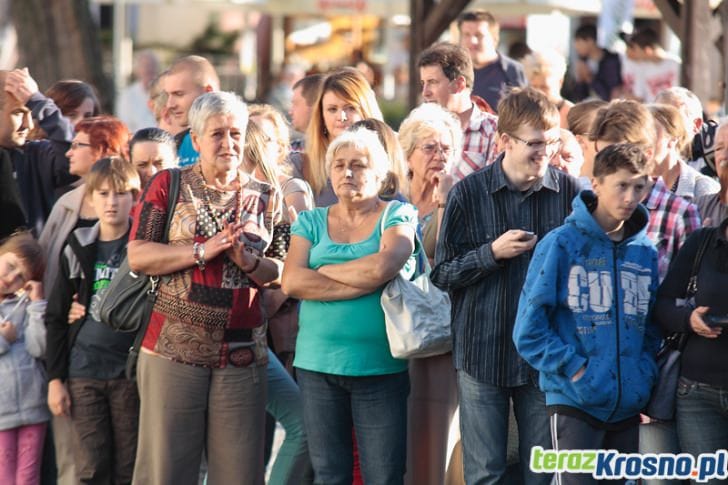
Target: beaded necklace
210	221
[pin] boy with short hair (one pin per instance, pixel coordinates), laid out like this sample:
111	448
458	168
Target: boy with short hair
86	359
584	314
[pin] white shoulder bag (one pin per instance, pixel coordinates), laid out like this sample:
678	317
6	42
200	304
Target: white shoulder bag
417	314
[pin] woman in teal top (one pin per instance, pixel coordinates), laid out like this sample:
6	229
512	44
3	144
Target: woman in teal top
340	258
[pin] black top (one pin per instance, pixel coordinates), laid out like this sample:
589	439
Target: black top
703	360
99	352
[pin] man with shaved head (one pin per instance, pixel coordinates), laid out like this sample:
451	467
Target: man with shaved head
187	78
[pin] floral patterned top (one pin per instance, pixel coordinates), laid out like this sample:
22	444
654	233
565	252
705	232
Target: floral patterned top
211	317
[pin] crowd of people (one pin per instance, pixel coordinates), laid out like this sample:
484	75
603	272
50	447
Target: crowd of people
564	233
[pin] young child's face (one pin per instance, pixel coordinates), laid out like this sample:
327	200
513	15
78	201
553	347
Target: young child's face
14	273
112	208
619	193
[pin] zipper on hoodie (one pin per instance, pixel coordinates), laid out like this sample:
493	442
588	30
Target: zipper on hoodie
616	316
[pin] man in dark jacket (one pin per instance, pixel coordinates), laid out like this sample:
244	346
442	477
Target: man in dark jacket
30	172
479	32
598	72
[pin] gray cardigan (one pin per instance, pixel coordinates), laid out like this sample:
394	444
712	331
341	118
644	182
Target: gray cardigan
23	382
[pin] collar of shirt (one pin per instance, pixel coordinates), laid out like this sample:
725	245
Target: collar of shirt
477	117
499	180
657	194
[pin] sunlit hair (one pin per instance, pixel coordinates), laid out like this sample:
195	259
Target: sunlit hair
117	172
254	154
158	96
107	134
365	141
201	71
352	87
427	120
624	121
454	61
545	63
620	156
281	136
70	93
216	103
670	119
23	245
581	116
526	106
310	86
396	181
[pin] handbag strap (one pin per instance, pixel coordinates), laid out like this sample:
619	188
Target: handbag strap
692	288
172	196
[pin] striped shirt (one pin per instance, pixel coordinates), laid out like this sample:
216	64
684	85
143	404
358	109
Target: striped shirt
485	292
672	219
479	144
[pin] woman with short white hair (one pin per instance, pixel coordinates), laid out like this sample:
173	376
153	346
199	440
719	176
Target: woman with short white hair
339	259
201	373
545	71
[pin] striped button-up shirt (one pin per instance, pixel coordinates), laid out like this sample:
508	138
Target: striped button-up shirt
485	292
479	144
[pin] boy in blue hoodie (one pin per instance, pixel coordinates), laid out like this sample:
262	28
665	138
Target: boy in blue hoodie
584	313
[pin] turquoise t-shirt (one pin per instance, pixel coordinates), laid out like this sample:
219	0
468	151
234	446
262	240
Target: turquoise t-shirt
187	154
346	337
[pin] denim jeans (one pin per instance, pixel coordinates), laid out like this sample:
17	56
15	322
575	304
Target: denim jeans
375	406
484	412
702	417
659	437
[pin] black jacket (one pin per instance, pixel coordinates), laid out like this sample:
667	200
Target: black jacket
41	167
75	276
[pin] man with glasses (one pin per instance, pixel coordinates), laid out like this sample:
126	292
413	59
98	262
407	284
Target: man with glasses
30	171
446	78
490	226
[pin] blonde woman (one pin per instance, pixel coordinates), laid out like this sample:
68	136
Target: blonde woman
430	137
345	98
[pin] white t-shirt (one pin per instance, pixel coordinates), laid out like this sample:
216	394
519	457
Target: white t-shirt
647	78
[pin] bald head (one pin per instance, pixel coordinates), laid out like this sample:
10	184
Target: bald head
198	70
188	78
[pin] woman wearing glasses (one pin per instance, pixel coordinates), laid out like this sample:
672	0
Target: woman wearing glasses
430	136
97	137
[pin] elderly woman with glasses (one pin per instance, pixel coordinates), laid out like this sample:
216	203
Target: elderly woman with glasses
340	258
429	137
201	371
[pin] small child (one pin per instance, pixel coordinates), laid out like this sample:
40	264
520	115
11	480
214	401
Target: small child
584	315
86	358
23	411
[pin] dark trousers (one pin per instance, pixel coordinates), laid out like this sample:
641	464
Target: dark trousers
105	419
570	433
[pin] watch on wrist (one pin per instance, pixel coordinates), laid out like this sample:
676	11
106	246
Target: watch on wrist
198	252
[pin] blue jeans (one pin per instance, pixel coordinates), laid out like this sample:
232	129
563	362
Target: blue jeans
702	417
374	406
484	412
659	437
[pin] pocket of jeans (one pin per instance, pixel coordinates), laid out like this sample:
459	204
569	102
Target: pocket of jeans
685	387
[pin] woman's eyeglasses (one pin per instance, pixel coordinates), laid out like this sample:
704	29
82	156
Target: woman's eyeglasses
430	148
78	144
